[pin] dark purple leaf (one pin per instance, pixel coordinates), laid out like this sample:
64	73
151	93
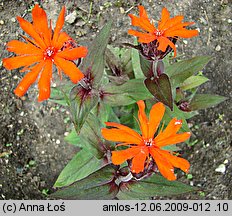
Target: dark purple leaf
160	88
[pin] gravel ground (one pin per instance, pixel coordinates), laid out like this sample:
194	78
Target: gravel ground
32	146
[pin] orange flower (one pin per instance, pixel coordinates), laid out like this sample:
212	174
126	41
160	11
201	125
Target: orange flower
167	28
145	147
41	51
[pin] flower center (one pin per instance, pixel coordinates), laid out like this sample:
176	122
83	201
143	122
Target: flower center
149	142
158	33
49	53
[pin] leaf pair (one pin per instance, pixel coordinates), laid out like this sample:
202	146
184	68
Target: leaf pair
101	185
85	96
179	75
92	156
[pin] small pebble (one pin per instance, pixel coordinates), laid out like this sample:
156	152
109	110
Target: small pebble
122	11
225	161
13	19
218	48
203	20
229	21
57	142
23	98
2	22
80	23
221	168
71	17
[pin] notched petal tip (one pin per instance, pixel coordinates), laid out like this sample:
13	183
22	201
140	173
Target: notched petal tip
4	63
44	94
36	8
171	177
141	104
178	122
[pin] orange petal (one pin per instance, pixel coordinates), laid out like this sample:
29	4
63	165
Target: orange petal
44	81
62	38
143	23
21	48
30	40
156	115
59	25
142	12
72	54
173	139
169	136
172	128
164	166
126	129
184	33
69	68
143	37
143	119
172	22
20	61
177	27
40	24
139	160
119	157
176	161
164	18
28	80
29	29
164	43
118	135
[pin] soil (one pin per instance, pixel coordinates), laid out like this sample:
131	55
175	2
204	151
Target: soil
32	147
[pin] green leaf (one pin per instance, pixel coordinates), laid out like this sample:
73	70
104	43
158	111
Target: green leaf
202	101
73	138
60	94
94	62
114	50
113	61
102	111
82	165
193	82
125	94
126	58
179	114
96	186
91	137
117	74
180	71
105	113
82	101
155	185
160	87
136	64
146	66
